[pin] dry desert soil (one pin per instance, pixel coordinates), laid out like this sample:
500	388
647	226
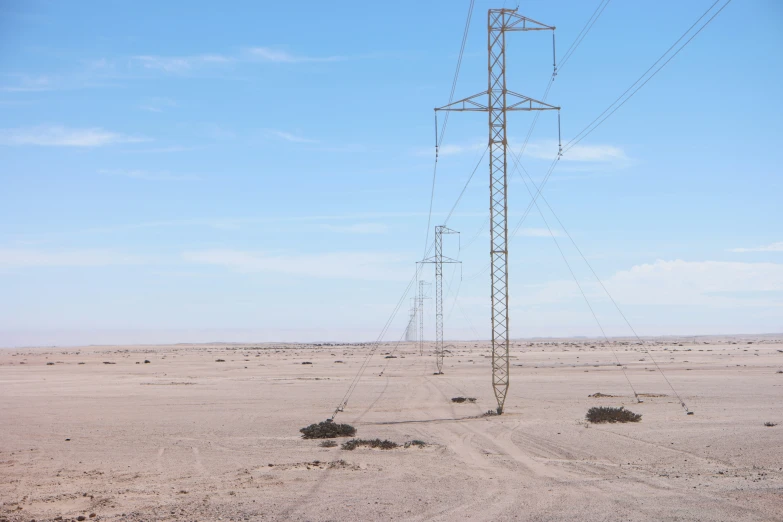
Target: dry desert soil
96	432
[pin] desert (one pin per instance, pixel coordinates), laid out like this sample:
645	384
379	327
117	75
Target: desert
98	432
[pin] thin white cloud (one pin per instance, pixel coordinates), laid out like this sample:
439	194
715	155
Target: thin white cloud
28	83
358	228
772	247
180	64
59	136
538	232
172	148
704	283
269	54
368	266
148	175
711	284
185	64
287	136
25	258
157	104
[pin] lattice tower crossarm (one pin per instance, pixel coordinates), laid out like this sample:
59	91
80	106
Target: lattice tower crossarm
499	101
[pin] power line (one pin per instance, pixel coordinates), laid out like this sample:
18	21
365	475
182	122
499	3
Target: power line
593	125
627	322
574	141
583	33
581	290
456	72
585	132
439	138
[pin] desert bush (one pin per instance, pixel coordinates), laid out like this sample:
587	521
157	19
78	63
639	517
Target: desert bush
327	430
770	424
372	443
328	444
599	414
460	400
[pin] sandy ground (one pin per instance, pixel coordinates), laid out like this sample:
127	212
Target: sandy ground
184	437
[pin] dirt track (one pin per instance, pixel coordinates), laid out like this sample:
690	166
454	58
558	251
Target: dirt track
188	438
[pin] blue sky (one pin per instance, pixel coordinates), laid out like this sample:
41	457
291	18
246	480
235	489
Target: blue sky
261	170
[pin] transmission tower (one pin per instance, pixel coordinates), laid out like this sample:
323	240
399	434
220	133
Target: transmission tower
499	101
438	260
420	306
410	332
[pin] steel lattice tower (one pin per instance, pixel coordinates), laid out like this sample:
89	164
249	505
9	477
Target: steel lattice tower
499	101
438	260
410	331
420	305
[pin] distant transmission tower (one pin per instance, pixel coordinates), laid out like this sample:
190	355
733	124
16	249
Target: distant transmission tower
420	306
500	100
410	332
438	260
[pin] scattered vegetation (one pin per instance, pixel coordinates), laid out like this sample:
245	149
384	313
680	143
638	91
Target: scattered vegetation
390	357
600	414
328	444
220	360
146	361
415	442
372	443
460	400
770	424
327	430
599	395
50	364
109	362
307	362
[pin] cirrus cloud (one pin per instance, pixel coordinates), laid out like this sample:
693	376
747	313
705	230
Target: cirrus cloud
60	136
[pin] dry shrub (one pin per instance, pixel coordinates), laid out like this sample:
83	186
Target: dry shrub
600	414
770	424
327	430
328	444
371	443
460	400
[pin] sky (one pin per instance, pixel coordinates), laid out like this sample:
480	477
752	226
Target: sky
262	171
